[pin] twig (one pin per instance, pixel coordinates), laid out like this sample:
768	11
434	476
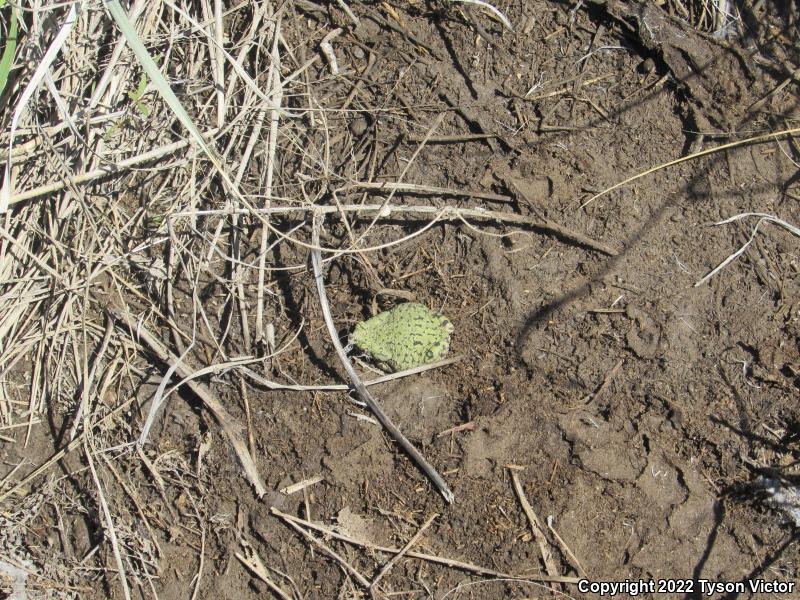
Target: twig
9	476
59	454
23	151
218	63
758	105
563	545
201	564
253	562
536	527
28	92
159	397
274	80
564	90
475	121
393	561
463	427
607	380
407	166
138	332
452	139
444	213
327	49
496	12
763	218
105	171
112	534
380	20
412	188
553	227
251	440
364	418
356	21
136	502
440	560
364	394
752	140
301	485
272	385
321	545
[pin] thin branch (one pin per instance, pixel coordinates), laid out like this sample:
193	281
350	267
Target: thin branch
138	332
536	528
437	213
413	188
393	561
112	534
752	140
274	82
322	546
432	558
273	385
104	171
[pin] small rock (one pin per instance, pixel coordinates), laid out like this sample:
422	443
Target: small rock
359	125
647	66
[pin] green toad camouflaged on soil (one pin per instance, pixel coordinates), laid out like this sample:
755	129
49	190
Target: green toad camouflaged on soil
408	336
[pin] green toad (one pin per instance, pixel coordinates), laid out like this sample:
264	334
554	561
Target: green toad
408	336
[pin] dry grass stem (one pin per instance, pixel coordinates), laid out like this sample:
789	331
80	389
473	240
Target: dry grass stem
272	385
252	561
327	49
492	9
536	528
436	213
106	171
567	551
109	523
751	140
138	332
463	427
60	454
327	551
762	218
274	81
607	380
403	551
447	562
301	485
411	188
39	74
451	139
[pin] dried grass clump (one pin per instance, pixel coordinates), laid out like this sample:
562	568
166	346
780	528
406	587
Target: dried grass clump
719	17
127	207
33	570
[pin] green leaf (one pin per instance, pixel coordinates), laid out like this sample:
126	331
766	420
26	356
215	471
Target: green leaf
161	84
137	94
11	46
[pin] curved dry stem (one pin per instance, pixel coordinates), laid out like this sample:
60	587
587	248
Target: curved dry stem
752	140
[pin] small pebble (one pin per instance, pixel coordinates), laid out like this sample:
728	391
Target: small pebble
359	125
647	66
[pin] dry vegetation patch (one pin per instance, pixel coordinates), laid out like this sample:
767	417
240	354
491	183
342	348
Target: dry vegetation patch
196	210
